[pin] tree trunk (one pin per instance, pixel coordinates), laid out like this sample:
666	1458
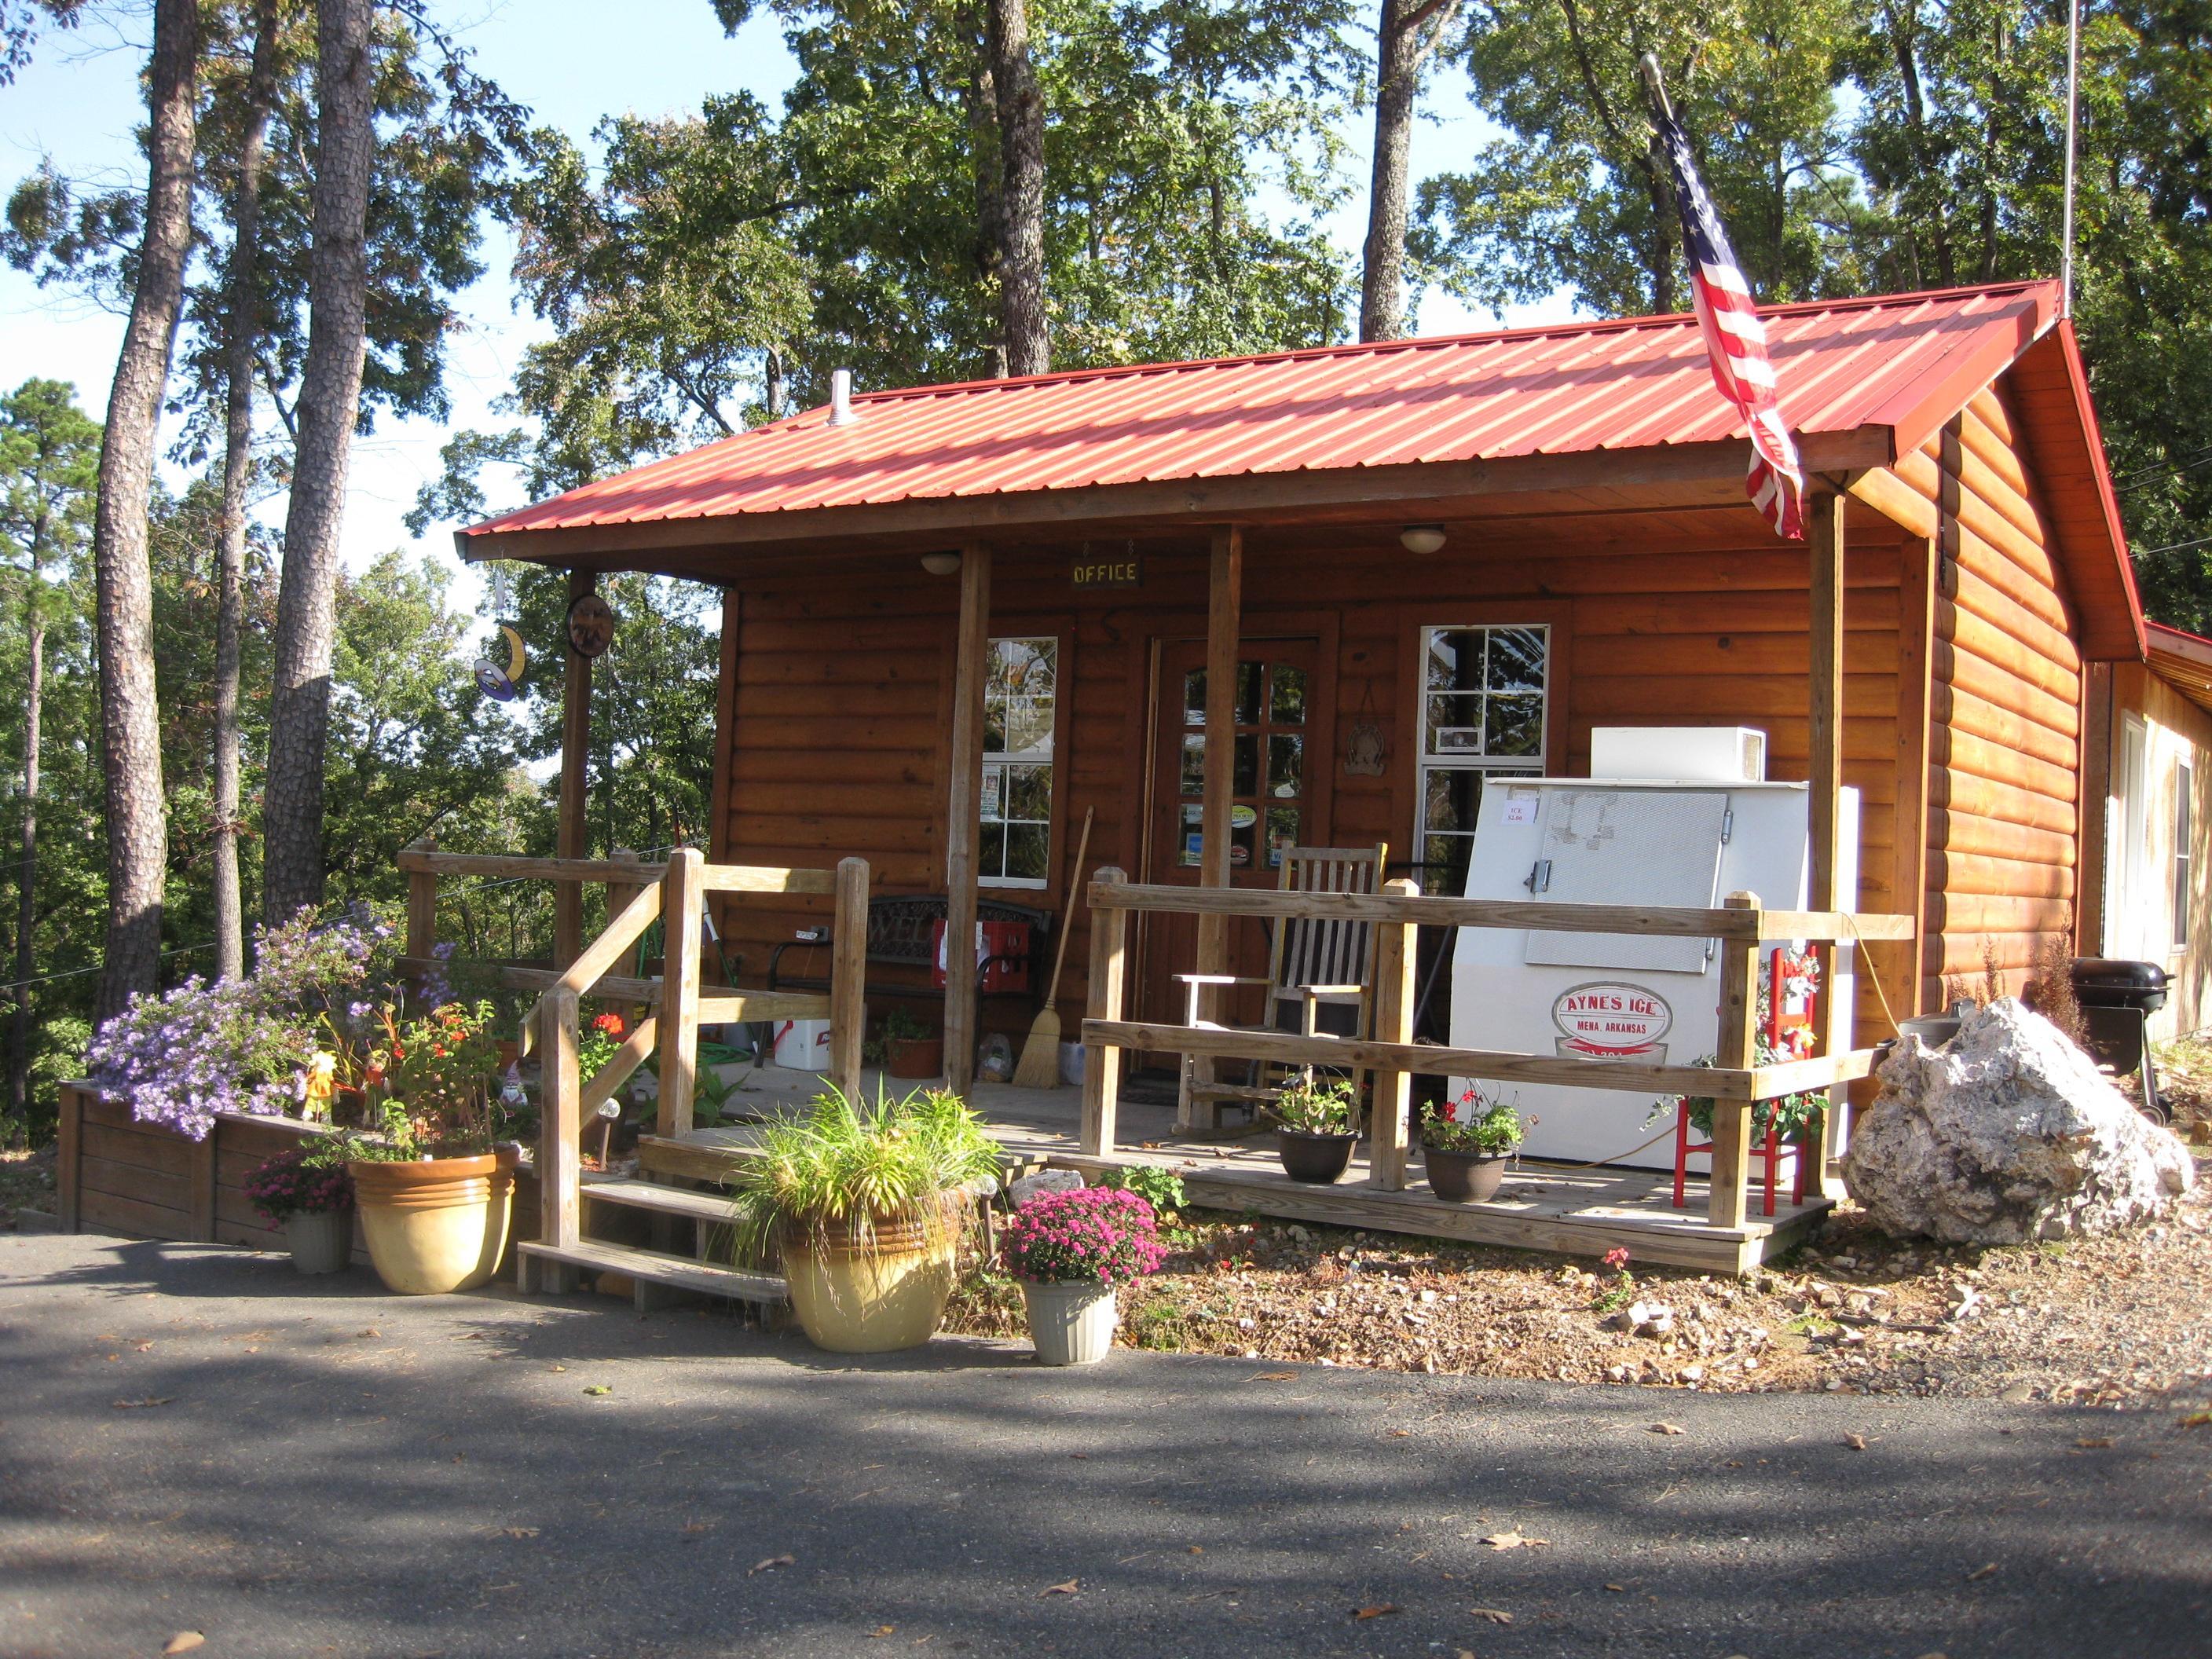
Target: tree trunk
26	875
1021	148
328	405
1400	50
241	350
130	736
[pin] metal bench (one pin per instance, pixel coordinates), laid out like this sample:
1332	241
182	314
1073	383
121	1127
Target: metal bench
900	934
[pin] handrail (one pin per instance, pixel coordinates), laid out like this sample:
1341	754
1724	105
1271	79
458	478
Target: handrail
1533	915
622	871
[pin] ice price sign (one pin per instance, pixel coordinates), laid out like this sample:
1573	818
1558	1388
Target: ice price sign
1612	1021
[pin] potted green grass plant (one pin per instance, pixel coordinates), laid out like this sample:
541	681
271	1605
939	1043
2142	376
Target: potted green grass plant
1466	1142
863	1204
1071	1251
1316	1127
912	1051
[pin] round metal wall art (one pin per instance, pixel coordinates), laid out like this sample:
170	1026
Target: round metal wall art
590	625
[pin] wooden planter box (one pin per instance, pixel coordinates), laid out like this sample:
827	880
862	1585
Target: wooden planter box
117	1175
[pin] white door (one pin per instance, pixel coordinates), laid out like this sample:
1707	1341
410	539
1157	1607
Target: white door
2126	924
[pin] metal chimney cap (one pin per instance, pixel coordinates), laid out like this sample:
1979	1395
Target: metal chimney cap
842	412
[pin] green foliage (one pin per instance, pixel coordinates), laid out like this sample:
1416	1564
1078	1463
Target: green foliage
1311	1106
1482	1124
1161	1187
845	1169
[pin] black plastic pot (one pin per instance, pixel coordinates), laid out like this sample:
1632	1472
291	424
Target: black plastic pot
1319	1158
1934	1029
1464	1177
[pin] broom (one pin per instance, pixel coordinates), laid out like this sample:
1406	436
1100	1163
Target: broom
1040	1066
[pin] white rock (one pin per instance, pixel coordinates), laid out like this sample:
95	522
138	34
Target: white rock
2007	1133
1045	1180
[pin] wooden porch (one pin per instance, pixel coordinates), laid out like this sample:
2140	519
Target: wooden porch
1543	1206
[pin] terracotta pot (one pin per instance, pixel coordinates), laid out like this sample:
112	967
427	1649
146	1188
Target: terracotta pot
1319	1159
914	1058
1072	1324
874	1295
1464	1177
321	1241
437	1224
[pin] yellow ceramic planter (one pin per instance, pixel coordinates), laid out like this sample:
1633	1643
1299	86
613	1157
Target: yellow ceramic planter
436	1225
873	1296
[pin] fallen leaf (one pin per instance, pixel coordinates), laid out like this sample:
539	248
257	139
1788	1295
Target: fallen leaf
184	1642
1982	1572
1073	1587
520	1532
1514	1541
2094	1442
134	1404
1273	1377
597	1388
559	1368
371	1331
144	1347
1666	1428
1856	1442
772	1561
2196	1420
1495	1615
881	1630
1380	1610
1618	1590
1198	1549
1399	1434
698	1526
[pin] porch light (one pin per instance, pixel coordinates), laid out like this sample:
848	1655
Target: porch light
1421	538
941	564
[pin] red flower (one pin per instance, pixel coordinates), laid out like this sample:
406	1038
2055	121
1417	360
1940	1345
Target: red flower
610	1023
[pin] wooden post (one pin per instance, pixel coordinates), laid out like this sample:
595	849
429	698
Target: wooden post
1102	1062
1394	1022
421	903
619	893
575	746
682	897
561	1100
1826	735
1734	1051
848	977
1223	625
963	827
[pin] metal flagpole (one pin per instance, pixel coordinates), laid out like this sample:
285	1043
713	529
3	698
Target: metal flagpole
2073	121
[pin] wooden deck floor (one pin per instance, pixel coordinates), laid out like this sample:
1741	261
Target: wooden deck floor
1543	1206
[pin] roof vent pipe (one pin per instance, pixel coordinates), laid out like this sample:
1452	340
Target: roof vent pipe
840	398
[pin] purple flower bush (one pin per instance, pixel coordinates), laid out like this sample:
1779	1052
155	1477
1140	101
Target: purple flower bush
1100	1233
309	1179
241	1045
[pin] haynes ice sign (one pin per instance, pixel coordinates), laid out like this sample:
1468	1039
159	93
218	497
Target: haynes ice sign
1612	1020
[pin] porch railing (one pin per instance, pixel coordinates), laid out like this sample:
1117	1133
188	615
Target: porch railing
1734	1082
675	892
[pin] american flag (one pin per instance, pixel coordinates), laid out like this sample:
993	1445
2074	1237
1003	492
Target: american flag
1736	341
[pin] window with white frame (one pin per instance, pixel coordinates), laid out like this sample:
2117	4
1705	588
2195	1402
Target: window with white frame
2184	813
1021	703
1484	700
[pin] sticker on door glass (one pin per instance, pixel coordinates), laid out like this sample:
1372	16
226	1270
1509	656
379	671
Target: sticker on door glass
1612	1020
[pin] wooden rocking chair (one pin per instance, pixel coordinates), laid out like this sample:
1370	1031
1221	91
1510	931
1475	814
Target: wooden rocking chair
1311	965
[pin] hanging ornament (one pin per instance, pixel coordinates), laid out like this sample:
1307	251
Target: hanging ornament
1364	753
502	684
590	625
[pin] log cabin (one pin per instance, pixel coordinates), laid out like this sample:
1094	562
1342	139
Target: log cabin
961	621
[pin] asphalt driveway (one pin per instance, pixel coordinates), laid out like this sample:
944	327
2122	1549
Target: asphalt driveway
195	1439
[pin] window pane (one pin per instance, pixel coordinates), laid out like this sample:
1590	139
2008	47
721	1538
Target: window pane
1287	765
1450	800
1517	659
1029	793
1194	697
1282	832
1193	818
1444	865
1241	837
1247	694
1287	704
1029	851
1513	726
1028	726
992	804
1454	725
991	851
1194	764
1247	770
1455	659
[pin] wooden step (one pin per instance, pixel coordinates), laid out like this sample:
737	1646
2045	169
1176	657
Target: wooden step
647	1268
662	1201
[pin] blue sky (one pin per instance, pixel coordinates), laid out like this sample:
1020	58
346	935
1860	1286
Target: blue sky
79	103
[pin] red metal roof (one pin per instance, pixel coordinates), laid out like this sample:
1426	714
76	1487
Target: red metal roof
1903	362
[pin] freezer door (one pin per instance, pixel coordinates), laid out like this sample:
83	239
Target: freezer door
1647	848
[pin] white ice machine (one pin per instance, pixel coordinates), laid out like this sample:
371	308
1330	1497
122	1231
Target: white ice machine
1673	842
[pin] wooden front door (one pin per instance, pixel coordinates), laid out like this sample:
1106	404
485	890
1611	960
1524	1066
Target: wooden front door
1280	801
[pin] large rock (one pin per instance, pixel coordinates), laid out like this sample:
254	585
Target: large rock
2007	1133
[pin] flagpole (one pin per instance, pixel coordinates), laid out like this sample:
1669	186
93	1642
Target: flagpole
1654	86
2073	121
